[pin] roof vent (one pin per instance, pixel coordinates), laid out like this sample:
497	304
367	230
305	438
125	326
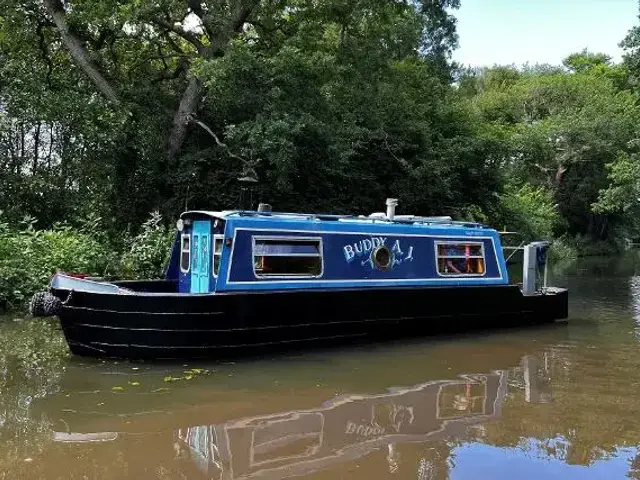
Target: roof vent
392	203
264	208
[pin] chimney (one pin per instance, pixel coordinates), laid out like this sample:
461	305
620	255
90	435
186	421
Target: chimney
391	208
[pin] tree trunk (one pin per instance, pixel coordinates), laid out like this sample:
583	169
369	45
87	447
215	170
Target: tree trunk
194	92
23	153
78	50
36	147
51	144
560	174
188	105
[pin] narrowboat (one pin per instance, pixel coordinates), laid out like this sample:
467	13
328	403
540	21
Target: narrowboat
243	280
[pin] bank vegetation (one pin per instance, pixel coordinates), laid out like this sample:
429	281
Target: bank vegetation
114	109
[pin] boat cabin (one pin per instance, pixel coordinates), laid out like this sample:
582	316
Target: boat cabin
265	251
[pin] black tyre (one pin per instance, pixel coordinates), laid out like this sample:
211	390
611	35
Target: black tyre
43	304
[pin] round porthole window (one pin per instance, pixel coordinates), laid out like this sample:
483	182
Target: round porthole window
382	258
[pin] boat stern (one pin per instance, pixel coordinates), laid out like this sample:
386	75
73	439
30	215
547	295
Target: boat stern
545	301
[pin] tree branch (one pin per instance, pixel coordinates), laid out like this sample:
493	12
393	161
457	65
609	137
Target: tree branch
242	14
401	161
162	57
174	46
112	53
562	169
42	43
79	52
190	37
273	29
193	119
167	75
219	36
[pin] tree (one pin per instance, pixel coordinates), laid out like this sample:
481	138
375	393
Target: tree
562	128
141	78
585	60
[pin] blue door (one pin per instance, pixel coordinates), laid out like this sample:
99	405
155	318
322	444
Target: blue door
200	258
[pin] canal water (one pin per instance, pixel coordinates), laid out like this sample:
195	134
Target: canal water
559	401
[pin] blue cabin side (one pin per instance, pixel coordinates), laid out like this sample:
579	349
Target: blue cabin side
222	252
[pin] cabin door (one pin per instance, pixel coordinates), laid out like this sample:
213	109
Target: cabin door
201	258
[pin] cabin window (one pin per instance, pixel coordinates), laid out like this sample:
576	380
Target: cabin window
185	253
287	257
217	253
460	258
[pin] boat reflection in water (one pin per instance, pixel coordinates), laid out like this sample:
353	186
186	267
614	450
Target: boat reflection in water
408	429
300	442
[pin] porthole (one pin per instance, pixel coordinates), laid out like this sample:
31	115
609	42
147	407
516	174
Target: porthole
382	258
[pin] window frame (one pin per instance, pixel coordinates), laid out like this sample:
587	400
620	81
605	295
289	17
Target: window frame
187	251
285	238
439	243
215	238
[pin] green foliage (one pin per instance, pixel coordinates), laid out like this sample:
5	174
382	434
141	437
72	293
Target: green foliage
572	247
29	257
624	192
563	249
305	90
531	211
332	105
558	130
585	60
147	253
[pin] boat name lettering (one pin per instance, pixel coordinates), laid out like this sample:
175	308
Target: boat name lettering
364	430
364	249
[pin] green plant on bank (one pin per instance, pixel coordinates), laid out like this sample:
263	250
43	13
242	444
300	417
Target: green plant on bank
562	249
531	211
567	247
30	256
148	252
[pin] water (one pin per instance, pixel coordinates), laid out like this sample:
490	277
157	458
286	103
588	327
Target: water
555	402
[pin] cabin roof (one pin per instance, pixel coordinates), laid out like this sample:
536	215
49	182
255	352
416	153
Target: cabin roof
380	218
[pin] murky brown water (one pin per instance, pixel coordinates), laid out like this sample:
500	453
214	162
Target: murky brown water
552	402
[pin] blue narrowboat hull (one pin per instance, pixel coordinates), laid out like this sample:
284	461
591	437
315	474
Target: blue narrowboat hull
156	324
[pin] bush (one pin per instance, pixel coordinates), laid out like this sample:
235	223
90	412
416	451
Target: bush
148	252
567	247
563	248
29	257
531	211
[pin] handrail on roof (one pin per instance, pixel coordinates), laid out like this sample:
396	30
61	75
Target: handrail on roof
321	216
404	220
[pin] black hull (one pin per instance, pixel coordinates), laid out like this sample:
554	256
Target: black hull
170	326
